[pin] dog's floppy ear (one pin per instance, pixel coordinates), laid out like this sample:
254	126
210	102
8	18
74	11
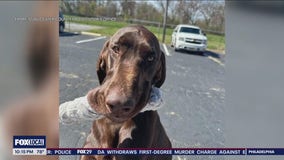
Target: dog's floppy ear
102	63
160	76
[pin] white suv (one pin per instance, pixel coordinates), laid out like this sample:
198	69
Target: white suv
188	37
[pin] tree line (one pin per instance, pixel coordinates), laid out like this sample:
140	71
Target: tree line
207	14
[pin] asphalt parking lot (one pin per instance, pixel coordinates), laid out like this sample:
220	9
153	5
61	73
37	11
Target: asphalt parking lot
193	93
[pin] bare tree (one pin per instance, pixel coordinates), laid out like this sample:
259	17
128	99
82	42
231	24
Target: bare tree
83	8
207	14
147	11
90	8
162	4
208	10
171	10
68	7
112	9
213	14
219	19
128	8
106	9
188	11
192	10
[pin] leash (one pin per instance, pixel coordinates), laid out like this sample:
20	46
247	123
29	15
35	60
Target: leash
79	110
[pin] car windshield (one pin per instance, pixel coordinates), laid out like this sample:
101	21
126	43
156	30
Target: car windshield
190	30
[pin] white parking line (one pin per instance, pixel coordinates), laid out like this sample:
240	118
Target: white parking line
89	40
166	50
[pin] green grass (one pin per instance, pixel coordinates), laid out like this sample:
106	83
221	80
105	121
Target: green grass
215	42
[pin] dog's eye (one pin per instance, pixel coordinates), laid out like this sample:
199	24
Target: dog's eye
115	49
150	58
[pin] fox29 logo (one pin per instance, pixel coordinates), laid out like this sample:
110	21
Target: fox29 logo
29	142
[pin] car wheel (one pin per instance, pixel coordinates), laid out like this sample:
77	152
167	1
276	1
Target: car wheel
61	29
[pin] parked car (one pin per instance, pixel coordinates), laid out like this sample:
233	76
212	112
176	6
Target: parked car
189	37
61	22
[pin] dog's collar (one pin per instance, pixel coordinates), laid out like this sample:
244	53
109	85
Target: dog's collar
78	110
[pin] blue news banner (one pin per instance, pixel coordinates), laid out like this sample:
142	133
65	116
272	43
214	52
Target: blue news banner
36	145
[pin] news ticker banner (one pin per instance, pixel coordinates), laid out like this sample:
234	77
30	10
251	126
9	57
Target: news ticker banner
148	151
36	145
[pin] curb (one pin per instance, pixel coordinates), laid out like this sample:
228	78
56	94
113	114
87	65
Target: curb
216	60
90	33
220	52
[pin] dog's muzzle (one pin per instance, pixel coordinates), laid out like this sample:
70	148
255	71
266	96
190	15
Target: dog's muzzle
78	110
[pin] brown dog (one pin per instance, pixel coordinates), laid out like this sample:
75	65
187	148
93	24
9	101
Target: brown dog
129	64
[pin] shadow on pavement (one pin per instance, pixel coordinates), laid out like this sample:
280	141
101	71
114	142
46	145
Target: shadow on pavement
212	54
68	34
192	52
221	57
206	53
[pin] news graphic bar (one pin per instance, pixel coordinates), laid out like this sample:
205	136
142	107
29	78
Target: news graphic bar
265	151
29	142
36	145
29	151
29	145
171	151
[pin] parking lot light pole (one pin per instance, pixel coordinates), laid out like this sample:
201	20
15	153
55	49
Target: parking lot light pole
165	21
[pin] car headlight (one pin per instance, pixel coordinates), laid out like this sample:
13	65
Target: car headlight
181	38
204	41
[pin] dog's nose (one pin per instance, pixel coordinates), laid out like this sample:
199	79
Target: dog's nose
119	103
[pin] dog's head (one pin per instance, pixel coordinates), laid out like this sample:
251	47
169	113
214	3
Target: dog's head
128	65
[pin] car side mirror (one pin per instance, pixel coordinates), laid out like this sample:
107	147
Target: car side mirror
204	33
